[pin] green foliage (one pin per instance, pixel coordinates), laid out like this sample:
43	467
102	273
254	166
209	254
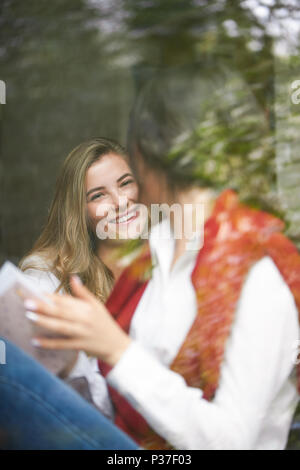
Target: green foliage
232	145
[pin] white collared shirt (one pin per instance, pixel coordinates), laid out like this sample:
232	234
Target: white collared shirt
257	396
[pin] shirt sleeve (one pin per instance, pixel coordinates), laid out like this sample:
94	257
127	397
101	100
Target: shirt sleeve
45	280
257	363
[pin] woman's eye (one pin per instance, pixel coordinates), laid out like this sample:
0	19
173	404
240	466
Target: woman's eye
127	182
96	196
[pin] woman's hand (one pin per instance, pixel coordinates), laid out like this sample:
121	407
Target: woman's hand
84	322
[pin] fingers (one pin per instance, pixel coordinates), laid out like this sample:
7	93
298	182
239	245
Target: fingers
60	306
37	305
56	325
57	343
80	291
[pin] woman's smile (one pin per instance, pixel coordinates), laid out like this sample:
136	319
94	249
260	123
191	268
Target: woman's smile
125	219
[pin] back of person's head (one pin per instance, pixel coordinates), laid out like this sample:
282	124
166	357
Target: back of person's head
204	127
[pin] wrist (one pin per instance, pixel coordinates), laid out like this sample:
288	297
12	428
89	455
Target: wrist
118	351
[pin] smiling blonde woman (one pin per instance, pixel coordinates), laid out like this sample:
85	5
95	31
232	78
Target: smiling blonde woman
68	244
94	176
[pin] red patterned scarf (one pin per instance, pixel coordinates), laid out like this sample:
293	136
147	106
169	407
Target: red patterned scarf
235	237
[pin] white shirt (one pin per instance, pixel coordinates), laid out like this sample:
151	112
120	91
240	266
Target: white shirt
257	396
85	366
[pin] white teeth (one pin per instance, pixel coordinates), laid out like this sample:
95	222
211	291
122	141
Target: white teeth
123	219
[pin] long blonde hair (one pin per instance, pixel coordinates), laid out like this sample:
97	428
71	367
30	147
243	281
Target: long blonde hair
67	243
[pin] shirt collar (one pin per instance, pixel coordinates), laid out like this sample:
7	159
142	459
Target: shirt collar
162	245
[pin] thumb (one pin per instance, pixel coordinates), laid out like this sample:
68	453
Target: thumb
79	290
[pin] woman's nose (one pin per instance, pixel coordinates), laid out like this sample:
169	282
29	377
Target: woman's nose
119	201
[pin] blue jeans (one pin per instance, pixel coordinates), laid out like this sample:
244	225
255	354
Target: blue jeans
40	411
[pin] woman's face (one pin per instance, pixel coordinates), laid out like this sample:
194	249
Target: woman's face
112	199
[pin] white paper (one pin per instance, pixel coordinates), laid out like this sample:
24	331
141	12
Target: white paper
16	327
